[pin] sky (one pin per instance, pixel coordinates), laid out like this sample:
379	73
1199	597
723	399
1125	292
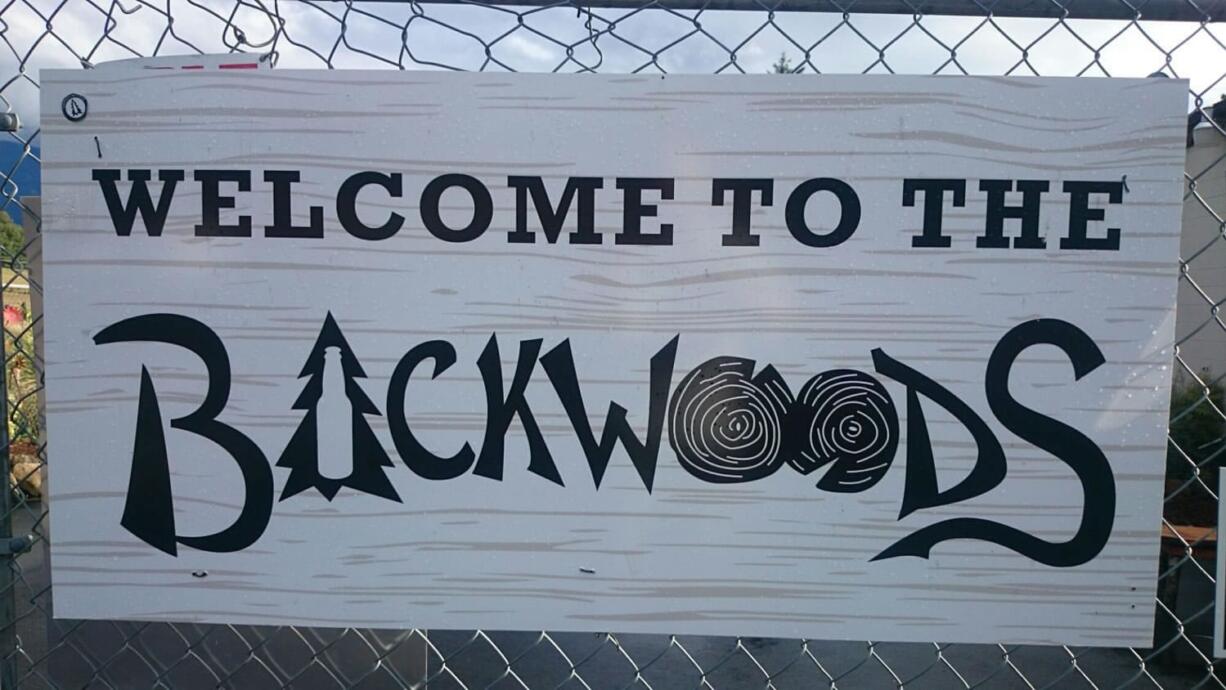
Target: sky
429	36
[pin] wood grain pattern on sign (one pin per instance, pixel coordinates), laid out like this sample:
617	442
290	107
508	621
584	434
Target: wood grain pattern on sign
781	554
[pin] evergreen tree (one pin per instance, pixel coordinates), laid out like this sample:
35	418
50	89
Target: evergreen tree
784	66
12	242
301	455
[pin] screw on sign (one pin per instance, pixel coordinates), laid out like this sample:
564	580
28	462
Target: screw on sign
75	107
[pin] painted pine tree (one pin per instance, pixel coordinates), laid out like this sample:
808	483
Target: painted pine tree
301	455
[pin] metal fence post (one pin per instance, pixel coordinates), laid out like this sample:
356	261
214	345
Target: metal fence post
8	600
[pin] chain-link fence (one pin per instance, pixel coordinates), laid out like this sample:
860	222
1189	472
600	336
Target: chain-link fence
1090	38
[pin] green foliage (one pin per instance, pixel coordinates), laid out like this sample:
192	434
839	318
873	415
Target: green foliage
784	66
21	380
1197	429
12	241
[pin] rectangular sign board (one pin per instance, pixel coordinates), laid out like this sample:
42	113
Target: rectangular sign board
1219	587
798	356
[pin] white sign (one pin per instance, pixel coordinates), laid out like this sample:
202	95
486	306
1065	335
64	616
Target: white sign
804	356
1219	586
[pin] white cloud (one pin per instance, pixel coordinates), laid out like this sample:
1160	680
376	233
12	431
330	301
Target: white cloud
457	36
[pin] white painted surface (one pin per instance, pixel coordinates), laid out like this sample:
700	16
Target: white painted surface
773	557
1219	585
1202	342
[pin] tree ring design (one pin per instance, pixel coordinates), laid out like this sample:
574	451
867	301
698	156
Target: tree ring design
726	425
847	418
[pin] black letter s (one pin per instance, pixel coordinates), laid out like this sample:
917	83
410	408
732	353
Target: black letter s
149	508
1061	440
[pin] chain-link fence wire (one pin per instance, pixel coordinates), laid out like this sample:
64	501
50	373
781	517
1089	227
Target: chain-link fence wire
690	36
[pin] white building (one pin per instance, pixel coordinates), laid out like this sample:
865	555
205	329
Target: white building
1201	336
